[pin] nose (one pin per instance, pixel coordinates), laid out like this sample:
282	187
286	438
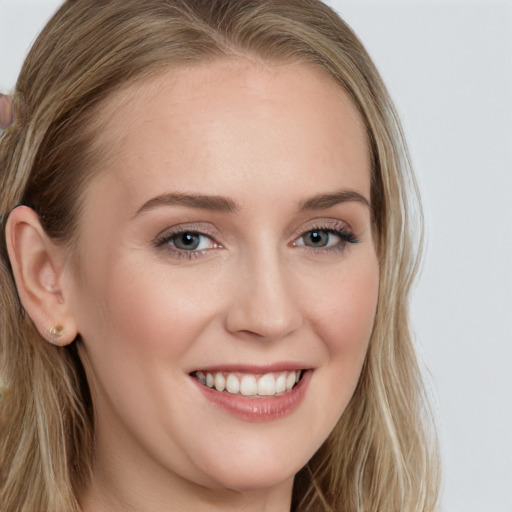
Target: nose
264	304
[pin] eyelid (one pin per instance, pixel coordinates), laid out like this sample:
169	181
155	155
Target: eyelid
199	228
161	241
335	227
326	224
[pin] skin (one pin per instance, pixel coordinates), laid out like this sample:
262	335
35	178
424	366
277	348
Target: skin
6	111
268	137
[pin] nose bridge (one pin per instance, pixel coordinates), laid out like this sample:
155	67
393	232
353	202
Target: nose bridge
264	303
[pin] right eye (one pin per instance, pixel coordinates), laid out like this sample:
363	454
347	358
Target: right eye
187	241
190	241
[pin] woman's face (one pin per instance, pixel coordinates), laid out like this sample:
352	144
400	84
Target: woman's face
227	242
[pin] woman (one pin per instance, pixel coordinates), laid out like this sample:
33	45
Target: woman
206	214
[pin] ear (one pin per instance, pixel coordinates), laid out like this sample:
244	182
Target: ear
38	264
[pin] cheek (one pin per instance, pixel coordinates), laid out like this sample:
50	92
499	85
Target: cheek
345	312
154	317
149	310
141	321
341	314
344	318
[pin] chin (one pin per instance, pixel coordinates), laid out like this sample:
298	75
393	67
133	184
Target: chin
251	480
248	474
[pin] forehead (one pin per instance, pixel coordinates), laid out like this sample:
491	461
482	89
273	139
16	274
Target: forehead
229	123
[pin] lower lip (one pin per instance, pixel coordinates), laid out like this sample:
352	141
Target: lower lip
258	409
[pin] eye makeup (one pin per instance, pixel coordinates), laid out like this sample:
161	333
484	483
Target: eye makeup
192	241
187	241
326	236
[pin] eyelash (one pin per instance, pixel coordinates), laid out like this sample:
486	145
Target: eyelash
338	229
166	238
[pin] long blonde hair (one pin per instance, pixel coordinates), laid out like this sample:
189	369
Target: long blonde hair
382	454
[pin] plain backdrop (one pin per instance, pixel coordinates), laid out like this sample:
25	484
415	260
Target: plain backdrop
448	66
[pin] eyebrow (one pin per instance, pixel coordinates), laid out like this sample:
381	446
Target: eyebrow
202	202
226	205
325	201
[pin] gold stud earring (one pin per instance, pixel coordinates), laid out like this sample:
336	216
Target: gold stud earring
56	331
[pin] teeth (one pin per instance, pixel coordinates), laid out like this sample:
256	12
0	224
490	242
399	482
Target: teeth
281	384
290	381
248	386
220	382
233	384
269	384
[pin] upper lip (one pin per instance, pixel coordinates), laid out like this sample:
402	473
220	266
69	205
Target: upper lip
253	368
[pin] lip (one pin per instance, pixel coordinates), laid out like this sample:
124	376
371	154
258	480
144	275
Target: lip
254	369
257	409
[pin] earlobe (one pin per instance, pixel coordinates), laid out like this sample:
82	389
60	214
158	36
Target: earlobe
38	264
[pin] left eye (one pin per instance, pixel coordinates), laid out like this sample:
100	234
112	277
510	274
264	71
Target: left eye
190	241
321	239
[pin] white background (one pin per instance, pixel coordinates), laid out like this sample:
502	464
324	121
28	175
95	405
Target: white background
448	65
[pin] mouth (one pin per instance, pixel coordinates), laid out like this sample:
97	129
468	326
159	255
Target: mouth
250	384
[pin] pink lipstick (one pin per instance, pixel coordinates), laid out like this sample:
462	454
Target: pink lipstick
257	396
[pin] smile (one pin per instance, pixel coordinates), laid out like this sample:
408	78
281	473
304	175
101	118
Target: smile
251	395
247	384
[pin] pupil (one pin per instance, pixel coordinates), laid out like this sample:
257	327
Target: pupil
187	241
318	238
